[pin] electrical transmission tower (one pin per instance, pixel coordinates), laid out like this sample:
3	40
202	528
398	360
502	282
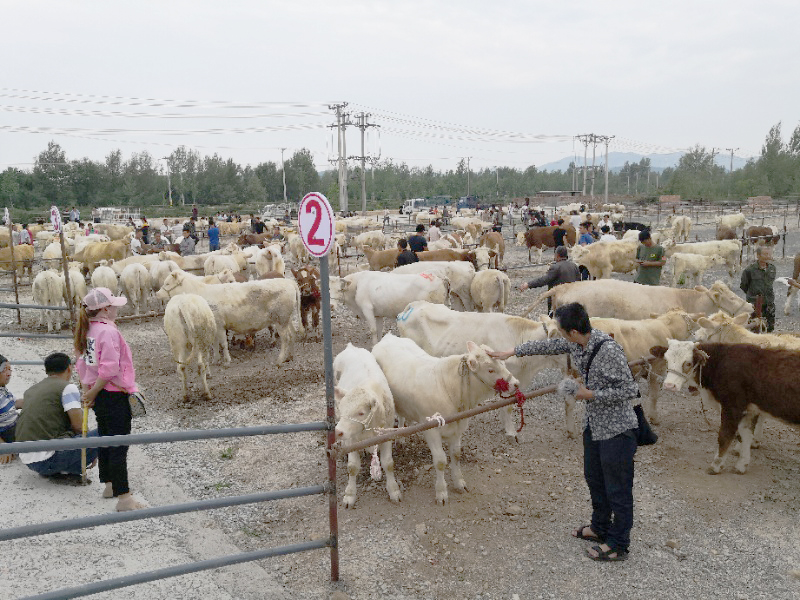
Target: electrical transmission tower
593	139
342	121
362	124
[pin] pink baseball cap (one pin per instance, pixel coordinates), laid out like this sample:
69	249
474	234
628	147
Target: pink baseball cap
101	297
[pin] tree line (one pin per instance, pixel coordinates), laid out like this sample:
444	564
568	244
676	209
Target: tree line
143	180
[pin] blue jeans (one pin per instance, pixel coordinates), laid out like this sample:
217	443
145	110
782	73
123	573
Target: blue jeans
65	461
608	469
213	247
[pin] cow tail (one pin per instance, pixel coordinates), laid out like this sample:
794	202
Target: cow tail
189	333
540	298
446	282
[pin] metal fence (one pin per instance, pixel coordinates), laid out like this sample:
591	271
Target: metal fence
329	487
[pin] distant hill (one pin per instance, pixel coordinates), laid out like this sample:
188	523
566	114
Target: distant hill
658	162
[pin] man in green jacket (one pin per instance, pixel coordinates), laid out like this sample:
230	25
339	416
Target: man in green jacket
758	279
51	410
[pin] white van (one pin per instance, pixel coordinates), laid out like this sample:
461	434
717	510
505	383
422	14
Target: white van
413	205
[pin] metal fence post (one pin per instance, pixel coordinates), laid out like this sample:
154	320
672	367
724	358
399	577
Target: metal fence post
14	268
331	417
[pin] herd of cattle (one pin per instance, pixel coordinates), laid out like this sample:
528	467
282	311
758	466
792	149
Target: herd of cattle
438	362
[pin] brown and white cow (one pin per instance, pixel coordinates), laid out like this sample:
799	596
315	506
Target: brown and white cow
744	379
542	237
310	296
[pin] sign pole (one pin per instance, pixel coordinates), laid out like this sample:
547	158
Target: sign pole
316	224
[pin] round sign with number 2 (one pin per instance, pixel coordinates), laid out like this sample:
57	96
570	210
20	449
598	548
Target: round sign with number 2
316	223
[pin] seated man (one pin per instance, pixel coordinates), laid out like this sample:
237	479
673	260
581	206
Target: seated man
159	244
8	411
51	409
137	247
406	256
187	243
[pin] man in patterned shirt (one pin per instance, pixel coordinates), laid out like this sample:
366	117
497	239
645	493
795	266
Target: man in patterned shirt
8	411
609	436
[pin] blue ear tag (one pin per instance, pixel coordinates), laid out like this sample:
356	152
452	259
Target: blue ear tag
403	316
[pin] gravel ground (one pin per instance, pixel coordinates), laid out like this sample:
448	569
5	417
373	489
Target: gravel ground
695	535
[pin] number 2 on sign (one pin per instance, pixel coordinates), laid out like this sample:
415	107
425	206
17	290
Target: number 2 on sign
317	208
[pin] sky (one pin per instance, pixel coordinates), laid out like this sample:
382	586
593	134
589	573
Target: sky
503	83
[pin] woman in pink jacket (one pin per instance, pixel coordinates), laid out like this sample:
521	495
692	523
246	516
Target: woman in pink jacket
105	367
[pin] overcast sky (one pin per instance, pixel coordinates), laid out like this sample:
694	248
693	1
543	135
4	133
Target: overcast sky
505	83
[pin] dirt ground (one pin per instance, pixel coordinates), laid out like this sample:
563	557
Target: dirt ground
730	536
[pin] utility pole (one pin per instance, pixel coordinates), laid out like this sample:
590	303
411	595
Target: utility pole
468	159
585	141
497	184
606	139
169	179
594	141
711	170
362	125
283	172
341	124
730	188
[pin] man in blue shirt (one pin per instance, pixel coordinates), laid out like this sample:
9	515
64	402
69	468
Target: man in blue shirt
8	411
585	237
213	236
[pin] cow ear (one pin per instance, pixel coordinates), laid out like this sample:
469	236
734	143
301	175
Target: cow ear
338	393
741	319
700	288
472	347
706	323
658	351
109	262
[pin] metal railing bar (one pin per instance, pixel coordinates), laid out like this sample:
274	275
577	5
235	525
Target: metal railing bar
158	437
184	569
34	306
23	531
51	336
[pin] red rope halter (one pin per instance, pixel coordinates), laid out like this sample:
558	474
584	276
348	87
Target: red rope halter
500	386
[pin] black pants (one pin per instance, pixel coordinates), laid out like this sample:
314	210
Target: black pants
608	469
113	413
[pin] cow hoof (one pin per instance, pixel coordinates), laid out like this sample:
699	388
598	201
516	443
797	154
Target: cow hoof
713	471
349	502
396	498
441	501
512	438
755	445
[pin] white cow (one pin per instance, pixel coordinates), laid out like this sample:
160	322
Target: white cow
735	221
159	271
191	330
77	285
219	263
47	292
459	273
52	254
374	239
298	250
104	276
246	308
490	289
270	260
730	250
626	300
692	265
681	227
365	405
424	386
444	332
603	258
135	283
374	295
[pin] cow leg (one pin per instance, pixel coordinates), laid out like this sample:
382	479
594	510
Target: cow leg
758	430
378	328
353	467
745	431
788	306
506	415
434	439
729	423
286	336
654	387
182	374
454	447
202	371
569	407
387	462
222	340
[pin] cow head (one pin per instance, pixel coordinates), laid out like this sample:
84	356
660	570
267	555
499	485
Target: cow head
521	238
486	368
483	256
550	326
723	297
357	411
171	286
710	328
683	360
308	280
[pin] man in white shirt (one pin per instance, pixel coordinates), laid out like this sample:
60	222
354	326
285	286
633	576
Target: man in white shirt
136	243
434	233
575	220
607	235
